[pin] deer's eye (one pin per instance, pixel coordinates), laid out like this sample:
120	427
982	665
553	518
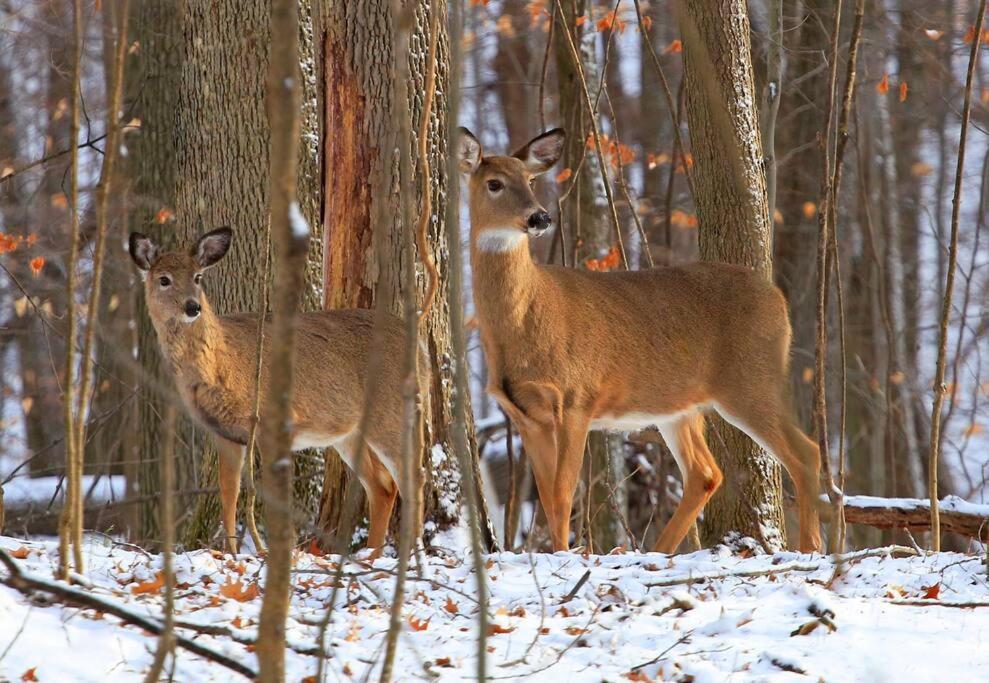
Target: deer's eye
197	278
495	185
164	281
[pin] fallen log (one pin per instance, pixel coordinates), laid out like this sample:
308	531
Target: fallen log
957	515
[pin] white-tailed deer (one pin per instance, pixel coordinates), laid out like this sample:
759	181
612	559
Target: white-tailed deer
214	359
570	350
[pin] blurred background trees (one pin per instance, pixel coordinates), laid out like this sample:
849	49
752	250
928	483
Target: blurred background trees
195	157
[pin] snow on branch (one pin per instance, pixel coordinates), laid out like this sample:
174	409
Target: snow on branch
957	515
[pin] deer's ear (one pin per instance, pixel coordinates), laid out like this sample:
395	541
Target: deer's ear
543	151
212	246
468	151
142	250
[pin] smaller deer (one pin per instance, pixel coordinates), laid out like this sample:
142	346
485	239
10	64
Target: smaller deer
214	360
570	350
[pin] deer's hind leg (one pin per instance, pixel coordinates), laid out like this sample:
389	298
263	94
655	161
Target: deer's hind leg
701	477
766	422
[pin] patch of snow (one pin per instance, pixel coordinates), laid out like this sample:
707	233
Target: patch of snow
735	624
300	226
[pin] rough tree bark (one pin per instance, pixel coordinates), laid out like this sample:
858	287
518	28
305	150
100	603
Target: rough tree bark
735	227
199	162
360	181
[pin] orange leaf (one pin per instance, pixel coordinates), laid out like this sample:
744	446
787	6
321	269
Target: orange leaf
235	590
29	675
581	20
564	175
37	263
314	549
443	661
146	587
309	679
932	592
164	215
59	201
637	676
418	625
20	553
495	629
576	630
810	210
675	47
451	606
903	91
353	633
883	86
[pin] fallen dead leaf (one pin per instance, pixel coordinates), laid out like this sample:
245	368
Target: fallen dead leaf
149	587
418	625
235	590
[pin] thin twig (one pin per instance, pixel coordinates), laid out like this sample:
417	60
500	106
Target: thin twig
579	66
942	353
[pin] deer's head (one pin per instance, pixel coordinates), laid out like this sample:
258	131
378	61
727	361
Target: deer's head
503	208
172	280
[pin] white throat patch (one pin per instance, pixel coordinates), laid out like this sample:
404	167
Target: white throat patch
500	240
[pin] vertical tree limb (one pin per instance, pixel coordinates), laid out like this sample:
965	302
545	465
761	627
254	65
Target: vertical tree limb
461	370
400	73
73	488
166	469
942	352
102	228
290	236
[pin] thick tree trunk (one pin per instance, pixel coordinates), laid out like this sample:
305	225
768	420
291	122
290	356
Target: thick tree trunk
735	227
200	161
364	254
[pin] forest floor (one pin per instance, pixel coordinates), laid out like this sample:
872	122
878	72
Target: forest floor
713	615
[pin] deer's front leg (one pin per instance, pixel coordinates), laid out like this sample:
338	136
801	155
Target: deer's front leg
230	460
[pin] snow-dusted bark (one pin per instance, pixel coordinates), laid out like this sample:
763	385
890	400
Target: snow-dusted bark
735	227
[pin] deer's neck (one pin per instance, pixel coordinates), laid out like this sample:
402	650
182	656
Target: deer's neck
194	350
504	282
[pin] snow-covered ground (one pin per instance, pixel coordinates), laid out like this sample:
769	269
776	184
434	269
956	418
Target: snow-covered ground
707	616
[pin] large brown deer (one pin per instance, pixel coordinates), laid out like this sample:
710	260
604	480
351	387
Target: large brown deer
214	359
570	350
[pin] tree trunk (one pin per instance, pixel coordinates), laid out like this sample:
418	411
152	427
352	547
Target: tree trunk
735	227
199	162
364	254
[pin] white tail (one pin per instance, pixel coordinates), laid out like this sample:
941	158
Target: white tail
214	358
571	350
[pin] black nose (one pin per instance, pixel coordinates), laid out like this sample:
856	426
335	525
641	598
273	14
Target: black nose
540	220
192	308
